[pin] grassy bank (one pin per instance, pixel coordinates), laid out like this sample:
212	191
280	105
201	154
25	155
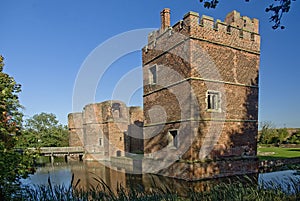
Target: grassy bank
271	152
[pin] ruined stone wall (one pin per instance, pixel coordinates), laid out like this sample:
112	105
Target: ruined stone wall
75	129
135	114
102	129
135	137
95	143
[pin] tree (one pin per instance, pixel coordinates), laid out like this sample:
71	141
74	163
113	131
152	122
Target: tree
13	165
295	138
282	135
268	134
44	130
281	7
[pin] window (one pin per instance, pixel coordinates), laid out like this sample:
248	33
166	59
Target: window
100	142
173	138
228	29
213	100
241	33
152	75
252	37
116	110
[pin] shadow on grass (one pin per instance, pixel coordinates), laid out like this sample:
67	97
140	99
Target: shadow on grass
296	150
267	158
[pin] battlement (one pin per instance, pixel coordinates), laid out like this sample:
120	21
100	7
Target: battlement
235	31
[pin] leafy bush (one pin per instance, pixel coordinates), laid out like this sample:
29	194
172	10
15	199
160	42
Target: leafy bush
295	138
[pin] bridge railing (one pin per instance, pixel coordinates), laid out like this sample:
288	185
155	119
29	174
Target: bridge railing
58	150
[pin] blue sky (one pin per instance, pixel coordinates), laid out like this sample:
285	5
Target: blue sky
46	42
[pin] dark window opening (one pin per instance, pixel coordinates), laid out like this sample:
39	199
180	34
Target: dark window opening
100	142
116	110
241	33
118	153
252	36
174	138
213	100
228	29
152	75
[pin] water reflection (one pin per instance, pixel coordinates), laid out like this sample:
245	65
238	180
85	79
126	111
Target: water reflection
90	173
281	179
59	174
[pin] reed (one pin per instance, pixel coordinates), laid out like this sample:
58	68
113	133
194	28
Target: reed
231	191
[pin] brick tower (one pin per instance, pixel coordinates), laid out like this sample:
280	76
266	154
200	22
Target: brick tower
201	96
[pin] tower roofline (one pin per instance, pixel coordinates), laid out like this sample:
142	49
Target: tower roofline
236	31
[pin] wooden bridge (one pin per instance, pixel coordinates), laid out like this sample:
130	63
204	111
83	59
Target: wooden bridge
60	152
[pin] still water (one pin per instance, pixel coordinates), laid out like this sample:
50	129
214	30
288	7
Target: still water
89	174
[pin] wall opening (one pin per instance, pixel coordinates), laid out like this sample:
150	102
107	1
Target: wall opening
213	100
153	75
116	110
228	29
173	139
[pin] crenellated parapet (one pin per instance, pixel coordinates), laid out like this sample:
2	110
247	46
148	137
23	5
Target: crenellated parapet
107	111
236	31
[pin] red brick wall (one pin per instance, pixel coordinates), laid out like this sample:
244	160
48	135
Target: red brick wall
192	57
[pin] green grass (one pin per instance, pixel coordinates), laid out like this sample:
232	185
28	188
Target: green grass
269	153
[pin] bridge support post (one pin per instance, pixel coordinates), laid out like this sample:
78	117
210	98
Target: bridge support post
51	158
66	158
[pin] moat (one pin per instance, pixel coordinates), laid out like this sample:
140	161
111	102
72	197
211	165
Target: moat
89	173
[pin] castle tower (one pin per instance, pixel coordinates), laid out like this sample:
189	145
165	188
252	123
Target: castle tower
104	127
201	96
107	129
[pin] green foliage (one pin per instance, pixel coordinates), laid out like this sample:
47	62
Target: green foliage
44	130
10	115
271	135
13	165
282	135
268	133
281	7
295	138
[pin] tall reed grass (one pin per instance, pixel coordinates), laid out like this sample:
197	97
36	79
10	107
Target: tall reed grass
231	191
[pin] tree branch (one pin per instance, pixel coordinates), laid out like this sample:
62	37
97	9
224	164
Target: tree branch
282	6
